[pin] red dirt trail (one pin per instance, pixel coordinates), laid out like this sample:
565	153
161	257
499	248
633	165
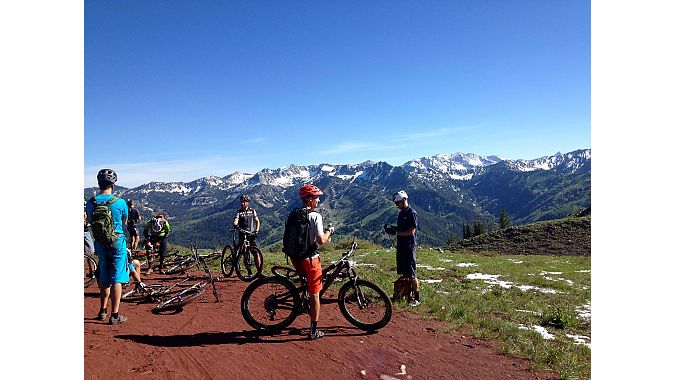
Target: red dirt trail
209	340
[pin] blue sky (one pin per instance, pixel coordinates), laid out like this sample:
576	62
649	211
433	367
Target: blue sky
177	90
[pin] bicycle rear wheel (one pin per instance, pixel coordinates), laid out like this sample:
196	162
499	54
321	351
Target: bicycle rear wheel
249	264
89	270
181	299
226	261
365	304
271	303
182	266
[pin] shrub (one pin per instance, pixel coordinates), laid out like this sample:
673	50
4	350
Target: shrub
559	318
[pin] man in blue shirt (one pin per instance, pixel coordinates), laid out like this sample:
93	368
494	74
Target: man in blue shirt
112	259
406	230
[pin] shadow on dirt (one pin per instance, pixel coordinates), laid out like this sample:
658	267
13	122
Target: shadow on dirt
241	337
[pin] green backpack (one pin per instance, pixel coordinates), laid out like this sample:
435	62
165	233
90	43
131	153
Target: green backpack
102	225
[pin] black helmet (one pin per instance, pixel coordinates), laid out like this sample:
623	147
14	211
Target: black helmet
243	198
106	177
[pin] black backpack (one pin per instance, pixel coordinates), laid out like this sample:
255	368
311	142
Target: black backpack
296	244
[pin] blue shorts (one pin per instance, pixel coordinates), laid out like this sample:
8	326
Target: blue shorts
113	268
406	263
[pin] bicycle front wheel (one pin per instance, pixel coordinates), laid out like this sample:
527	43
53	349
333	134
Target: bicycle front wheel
181	299
271	303
365	304
89	270
249	264
226	261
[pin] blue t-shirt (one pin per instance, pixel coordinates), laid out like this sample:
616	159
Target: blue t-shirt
119	210
407	219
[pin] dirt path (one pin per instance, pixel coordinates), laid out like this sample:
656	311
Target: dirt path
209	340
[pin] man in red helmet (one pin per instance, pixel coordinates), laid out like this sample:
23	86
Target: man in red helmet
307	263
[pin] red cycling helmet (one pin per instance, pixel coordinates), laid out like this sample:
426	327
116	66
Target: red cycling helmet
309	191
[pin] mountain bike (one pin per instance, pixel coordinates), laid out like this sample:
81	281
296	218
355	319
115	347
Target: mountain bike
89	270
274	302
180	264
194	291
247	261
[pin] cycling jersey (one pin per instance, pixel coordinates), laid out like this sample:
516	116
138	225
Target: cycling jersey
245	219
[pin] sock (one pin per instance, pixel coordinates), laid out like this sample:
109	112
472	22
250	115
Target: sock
313	327
416	296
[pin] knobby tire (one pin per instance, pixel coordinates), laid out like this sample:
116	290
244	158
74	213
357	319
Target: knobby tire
249	264
226	261
375	311
89	270
270	303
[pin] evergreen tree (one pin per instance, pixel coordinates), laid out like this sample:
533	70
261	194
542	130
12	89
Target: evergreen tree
451	240
504	219
479	228
466	232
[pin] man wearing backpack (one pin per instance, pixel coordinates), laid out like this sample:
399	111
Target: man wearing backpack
107	215
303	234
134	218
157	230
405	230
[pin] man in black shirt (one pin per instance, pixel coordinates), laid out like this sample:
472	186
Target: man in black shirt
134	218
247	220
406	231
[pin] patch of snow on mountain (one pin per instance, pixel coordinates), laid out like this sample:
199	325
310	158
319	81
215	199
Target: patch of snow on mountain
328	168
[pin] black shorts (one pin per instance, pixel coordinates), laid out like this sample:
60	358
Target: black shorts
133	232
406	259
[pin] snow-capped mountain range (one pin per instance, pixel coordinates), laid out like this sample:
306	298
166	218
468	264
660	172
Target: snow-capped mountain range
454	188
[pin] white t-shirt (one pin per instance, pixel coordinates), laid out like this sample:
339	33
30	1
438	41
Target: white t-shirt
316	225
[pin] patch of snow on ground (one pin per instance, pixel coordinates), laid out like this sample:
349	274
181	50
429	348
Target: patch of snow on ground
545	273
492	279
539	329
430	281
584	271
515	261
447	260
466	265
584	311
580	339
530	312
428	267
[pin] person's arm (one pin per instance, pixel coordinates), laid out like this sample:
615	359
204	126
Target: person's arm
411	230
322	236
258	223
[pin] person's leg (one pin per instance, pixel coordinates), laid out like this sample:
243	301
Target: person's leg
415	284
163	253
119	275
314	286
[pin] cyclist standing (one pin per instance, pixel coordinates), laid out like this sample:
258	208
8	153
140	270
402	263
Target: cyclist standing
134	218
157	230
405	230
245	219
309	266
112	259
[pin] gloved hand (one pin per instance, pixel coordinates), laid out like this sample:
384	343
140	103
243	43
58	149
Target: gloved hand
254	234
331	229
392	230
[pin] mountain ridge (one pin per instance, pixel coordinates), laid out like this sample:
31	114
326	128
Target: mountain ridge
447	190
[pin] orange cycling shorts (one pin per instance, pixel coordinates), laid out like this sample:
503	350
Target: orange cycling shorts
313	273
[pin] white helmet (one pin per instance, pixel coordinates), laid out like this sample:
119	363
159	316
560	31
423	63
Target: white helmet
399	196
